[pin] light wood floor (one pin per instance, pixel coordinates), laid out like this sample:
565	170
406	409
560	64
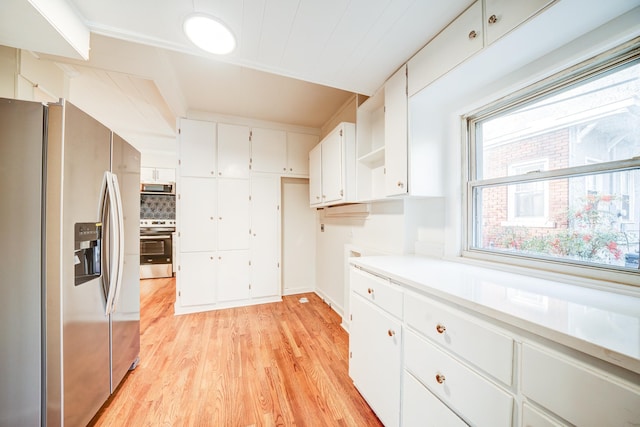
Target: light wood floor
281	364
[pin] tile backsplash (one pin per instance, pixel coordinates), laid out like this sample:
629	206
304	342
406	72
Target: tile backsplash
157	206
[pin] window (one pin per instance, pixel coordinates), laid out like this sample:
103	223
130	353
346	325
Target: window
554	170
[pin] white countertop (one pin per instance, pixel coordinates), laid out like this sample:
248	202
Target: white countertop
603	324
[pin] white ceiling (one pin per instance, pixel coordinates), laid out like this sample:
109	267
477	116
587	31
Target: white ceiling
297	61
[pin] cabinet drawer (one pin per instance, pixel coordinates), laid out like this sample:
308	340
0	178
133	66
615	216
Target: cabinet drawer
420	408
486	348
377	290
532	417
473	397
578	393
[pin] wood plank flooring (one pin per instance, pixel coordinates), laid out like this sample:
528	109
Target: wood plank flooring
280	364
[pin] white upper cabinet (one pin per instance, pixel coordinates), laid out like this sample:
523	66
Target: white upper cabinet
298	147
157	175
338	165
395	134
233	151
315	175
332	163
457	42
197	148
503	16
268	150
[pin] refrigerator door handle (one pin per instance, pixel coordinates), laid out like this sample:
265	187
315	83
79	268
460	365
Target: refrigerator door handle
113	241
120	246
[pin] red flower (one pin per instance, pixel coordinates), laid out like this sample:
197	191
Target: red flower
587	237
606	198
612	246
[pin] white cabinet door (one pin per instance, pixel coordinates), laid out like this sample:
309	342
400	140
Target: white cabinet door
165	175
233	151
298	147
265	236
395	134
197	214
332	167
233	214
375	340
315	175
268	150
503	16
458	41
196	278
233	275
197	148
420	408
147	174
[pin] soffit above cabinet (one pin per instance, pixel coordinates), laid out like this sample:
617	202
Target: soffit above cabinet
50	26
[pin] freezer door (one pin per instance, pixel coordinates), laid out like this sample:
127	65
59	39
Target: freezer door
125	318
78	378
21	132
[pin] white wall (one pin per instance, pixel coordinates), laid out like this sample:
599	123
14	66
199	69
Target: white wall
394	227
298	238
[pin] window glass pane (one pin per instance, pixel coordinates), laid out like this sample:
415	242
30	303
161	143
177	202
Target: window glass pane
592	219
593	122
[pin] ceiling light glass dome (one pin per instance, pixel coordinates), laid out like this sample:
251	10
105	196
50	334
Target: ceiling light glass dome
209	34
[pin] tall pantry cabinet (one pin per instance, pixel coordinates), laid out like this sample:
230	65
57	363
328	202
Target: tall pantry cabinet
229	213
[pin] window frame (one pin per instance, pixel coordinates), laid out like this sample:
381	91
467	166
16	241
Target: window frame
622	55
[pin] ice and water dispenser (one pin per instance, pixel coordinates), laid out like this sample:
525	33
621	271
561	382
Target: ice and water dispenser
87	255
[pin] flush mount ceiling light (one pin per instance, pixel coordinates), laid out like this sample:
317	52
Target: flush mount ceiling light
209	34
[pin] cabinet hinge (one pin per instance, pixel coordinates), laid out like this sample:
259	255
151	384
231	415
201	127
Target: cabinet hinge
249	286
179	131
340	132
278	208
249	262
249	166
250	135
179	162
351	317
179	293
249	231
178	196
249	198
341	193
278	265
351	355
178	268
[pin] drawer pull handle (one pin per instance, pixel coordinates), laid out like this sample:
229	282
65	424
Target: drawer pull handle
440	378
369	291
493	19
391	332
440	328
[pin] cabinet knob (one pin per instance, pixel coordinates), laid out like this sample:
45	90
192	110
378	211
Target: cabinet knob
391	332
318	197
220	218
400	184
369	291
493	19
440	328
290	169
440	378
211	218
473	35
284	169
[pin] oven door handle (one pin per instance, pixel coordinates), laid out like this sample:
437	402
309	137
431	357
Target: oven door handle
155	236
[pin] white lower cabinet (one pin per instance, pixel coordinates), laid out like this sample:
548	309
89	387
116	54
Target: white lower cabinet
419	360
233	275
375	342
472	396
197	278
583	395
420	408
533	417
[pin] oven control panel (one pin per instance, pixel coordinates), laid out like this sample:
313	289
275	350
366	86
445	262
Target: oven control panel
157	223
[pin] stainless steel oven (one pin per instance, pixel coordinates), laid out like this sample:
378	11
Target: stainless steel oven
156	248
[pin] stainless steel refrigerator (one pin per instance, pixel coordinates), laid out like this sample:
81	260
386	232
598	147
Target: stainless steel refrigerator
69	263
